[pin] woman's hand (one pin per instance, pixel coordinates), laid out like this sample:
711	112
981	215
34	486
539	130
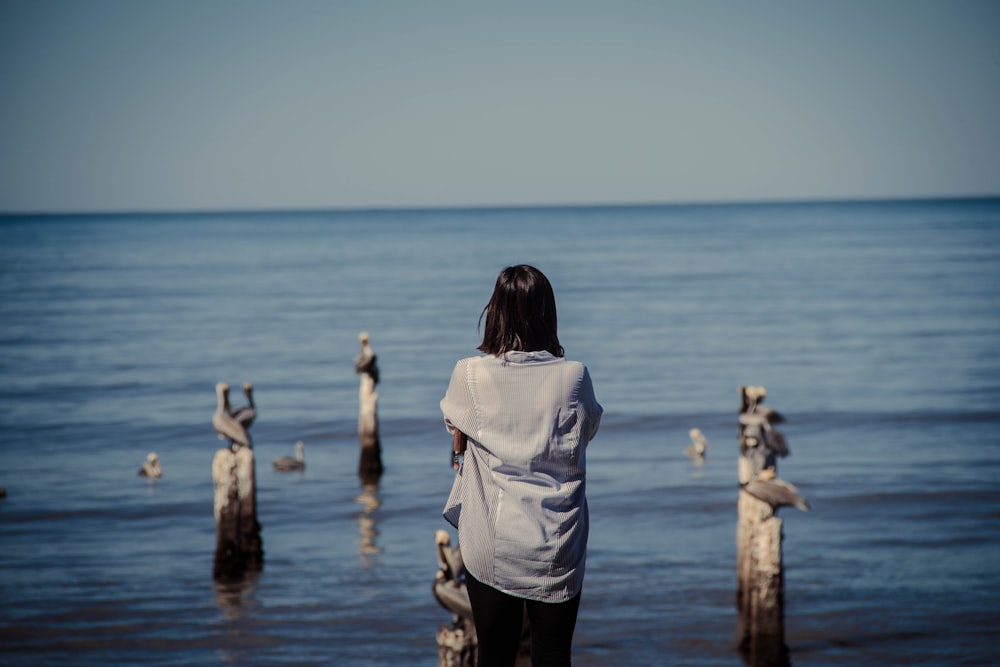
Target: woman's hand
458	448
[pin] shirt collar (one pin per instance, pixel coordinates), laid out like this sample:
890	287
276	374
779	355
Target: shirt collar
518	357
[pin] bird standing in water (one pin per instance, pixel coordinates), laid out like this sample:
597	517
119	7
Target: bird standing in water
289	464
151	467
698	448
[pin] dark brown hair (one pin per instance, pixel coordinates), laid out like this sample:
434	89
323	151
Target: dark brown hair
521	314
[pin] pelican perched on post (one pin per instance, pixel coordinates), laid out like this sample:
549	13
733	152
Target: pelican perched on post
760	442
289	464
448	587
775	492
365	362
151	467
247	413
759	424
698	447
223	422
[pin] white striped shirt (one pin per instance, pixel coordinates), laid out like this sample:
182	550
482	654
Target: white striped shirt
519	501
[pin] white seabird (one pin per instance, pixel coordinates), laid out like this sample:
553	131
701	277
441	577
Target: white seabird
698	447
151	467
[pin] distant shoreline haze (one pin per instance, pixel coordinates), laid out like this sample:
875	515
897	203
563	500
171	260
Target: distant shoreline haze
180	211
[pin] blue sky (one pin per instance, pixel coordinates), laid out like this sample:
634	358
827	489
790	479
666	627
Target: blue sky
142	105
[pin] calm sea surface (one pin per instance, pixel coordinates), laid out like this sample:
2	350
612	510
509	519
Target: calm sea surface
874	326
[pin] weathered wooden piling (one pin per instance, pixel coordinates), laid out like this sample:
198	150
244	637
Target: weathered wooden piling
239	548
370	467
760	595
457	645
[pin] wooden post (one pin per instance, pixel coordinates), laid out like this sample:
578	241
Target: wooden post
456	644
760	596
761	585
239	548
238	545
370	467
250	541
229	563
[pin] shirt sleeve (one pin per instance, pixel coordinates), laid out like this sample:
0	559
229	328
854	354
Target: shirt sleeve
457	406
591	407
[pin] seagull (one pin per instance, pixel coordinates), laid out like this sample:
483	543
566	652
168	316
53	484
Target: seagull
247	413
447	588
223	422
151	467
365	362
289	464
775	492
698	447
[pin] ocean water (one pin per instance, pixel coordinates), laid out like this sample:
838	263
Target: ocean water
875	327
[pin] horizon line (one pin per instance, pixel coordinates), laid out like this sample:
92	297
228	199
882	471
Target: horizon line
264	210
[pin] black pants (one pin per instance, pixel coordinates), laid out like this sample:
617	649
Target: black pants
498	617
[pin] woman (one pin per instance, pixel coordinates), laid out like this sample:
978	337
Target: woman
519	500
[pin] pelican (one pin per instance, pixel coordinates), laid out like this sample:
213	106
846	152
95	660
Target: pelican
758	424
698	447
365	362
449	558
247	413
775	441
447	588
759	457
769	413
289	464
752	419
227	427
775	492
151	467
